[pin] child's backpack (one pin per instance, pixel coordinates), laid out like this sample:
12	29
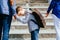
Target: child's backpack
38	20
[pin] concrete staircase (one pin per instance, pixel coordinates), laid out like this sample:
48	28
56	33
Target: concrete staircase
20	31
32	1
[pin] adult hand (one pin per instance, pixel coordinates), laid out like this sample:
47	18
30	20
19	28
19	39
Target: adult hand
14	17
11	2
47	14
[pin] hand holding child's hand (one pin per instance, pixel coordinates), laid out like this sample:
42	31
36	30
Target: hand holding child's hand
47	14
11	2
14	17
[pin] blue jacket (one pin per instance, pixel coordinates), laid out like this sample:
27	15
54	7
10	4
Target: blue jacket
53	8
6	8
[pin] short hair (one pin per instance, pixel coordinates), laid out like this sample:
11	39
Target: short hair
17	8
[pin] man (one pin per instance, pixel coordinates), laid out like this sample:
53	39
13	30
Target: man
55	7
7	10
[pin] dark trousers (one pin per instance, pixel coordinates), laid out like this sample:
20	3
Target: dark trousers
5	22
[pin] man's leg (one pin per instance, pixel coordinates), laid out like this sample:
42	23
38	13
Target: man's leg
35	34
1	21
6	27
57	27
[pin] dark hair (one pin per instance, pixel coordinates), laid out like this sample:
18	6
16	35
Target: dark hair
17	8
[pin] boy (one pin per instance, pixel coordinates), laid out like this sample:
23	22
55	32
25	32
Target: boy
33	27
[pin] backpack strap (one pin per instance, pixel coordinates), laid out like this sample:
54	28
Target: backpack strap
35	23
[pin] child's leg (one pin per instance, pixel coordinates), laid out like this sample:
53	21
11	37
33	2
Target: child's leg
34	34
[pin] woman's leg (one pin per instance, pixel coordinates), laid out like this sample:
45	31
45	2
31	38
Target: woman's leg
57	27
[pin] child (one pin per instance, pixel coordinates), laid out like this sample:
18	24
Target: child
33	27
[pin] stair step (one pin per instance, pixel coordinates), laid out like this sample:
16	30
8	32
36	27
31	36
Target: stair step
26	31
19	25
26	27
40	7
50	24
46	33
30	39
39	4
34	4
39	1
28	35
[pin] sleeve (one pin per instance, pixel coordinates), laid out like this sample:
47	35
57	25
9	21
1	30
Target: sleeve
14	7
24	20
51	6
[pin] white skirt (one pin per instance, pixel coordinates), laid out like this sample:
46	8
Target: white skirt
57	26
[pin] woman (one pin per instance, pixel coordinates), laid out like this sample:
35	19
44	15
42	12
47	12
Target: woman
55	7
